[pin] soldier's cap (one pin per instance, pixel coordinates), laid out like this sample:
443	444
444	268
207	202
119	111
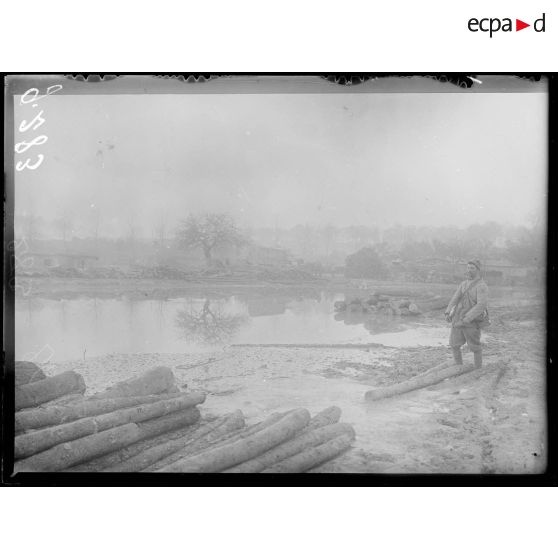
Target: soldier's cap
476	263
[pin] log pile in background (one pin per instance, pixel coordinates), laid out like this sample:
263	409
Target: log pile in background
394	305
146	424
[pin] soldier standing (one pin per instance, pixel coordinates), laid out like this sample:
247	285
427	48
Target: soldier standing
467	313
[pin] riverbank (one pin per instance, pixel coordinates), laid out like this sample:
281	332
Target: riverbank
58	288
487	421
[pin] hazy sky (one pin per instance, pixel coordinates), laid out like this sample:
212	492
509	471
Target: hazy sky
365	159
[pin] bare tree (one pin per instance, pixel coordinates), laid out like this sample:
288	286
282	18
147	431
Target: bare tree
209	232
209	325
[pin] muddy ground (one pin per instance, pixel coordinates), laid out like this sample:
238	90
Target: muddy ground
487	421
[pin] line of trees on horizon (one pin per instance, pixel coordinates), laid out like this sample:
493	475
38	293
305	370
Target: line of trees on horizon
519	244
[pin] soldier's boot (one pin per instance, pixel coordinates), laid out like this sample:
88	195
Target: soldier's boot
457	357
478	359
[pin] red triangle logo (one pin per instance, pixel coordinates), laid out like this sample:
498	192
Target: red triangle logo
519	25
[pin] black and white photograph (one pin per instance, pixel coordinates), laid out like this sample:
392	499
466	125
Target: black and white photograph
279	274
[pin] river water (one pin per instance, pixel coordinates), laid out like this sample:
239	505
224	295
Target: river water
58	330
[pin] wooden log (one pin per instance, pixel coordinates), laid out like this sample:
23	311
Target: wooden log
226	429
98	464
61	456
40	440
70	399
418	382
27	372
168	423
330	415
296	445
247	431
215	441
158	449
41	391
444	364
156	453
165	432
232	433
228	455
314	456
32	419
154	381
64	456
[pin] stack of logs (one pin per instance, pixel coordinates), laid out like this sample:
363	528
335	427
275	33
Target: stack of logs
148	424
391	304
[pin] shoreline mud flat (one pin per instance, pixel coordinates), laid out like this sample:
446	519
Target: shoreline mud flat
488	421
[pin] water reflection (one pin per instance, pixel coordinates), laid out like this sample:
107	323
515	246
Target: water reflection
375	323
266	306
211	325
88	326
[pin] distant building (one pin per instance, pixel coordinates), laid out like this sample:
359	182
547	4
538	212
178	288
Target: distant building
43	261
506	273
